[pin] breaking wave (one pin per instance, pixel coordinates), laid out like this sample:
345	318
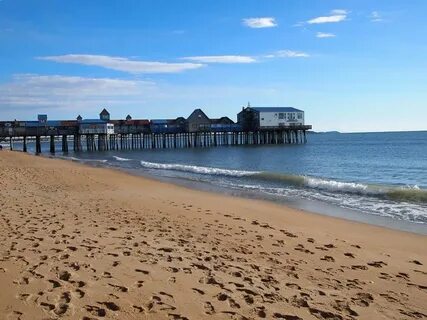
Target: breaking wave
121	159
197	169
68	158
400	194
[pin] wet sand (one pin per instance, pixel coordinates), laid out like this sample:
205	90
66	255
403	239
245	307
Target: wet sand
79	242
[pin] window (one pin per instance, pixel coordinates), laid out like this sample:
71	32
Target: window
300	116
281	115
262	118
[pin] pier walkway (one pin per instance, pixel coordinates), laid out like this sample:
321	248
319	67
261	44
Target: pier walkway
124	138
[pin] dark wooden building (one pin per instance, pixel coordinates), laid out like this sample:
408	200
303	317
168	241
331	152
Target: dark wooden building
198	121
104	115
248	119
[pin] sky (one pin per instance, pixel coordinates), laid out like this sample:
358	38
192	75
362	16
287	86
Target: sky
352	66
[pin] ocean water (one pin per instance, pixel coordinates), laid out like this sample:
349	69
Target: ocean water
378	178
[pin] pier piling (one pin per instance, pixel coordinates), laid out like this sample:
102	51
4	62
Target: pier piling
24	144
38	145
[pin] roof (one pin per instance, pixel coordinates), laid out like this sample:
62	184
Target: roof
159	121
198	112
92	121
278	109
226	120
104	111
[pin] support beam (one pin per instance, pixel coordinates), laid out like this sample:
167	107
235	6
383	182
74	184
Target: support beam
38	145
24	144
64	143
52	144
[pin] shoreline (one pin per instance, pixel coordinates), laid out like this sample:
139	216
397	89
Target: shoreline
307	206
312	206
105	243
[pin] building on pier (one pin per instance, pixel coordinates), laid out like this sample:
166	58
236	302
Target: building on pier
198	121
177	125
252	119
224	124
131	126
104	115
42	118
95	126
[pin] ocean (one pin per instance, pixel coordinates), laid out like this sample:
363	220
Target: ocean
377	178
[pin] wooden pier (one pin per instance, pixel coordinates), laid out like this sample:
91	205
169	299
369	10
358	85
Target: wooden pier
69	137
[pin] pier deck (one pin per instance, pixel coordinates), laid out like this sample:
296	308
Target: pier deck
127	139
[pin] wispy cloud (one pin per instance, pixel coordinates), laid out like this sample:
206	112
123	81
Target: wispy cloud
335	16
123	64
325	35
375	16
222	59
288	54
61	96
339	11
58	91
264	22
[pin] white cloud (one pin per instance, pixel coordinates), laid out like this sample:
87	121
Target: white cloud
327	19
335	16
222	59
57	91
264	22
123	64
288	54
324	35
375	16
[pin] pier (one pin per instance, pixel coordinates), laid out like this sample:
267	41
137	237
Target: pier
197	131
70	139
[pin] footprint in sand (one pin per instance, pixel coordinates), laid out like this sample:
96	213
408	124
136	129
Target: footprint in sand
138	308
95	310
110	305
363	299
209	308
64	275
201	292
359	267
377	264
118	287
287	316
79	293
328	259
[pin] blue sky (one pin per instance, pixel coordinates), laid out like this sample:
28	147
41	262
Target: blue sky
353	65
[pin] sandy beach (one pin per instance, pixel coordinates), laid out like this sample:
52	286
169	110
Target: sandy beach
78	242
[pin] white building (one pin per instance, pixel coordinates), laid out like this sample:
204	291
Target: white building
270	117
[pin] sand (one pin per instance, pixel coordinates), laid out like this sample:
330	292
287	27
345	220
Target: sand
78	242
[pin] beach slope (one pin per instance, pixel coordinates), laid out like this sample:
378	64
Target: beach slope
79	242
